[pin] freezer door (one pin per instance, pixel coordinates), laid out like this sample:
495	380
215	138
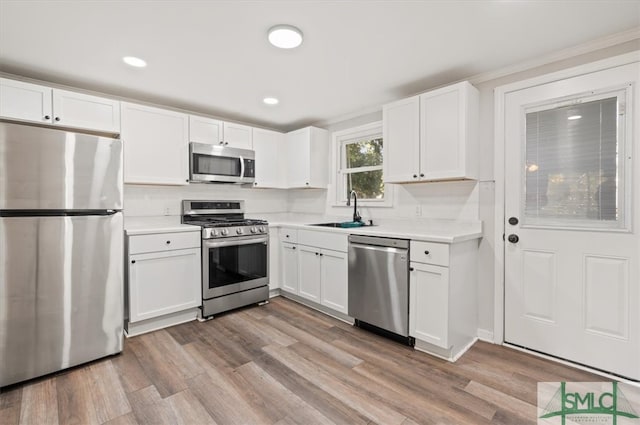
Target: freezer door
61	293
43	168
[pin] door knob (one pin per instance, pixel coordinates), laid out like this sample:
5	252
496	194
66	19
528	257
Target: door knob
513	238
513	221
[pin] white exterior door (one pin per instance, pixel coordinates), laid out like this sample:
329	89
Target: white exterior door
572	281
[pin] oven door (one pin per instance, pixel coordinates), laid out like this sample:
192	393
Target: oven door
234	265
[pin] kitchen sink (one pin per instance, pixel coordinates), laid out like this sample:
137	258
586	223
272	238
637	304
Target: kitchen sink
343	225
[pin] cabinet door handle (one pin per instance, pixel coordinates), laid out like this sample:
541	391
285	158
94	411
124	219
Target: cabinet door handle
168	242
321	254
57	118
293	247
47	117
286	236
411	269
421	174
133	261
415	176
426	253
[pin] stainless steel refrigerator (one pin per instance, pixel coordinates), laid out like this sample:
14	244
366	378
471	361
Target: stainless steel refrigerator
61	250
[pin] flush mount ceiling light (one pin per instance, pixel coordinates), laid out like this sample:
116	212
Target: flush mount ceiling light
574	117
270	100
285	36
134	61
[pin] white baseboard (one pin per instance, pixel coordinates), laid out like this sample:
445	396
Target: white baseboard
150	325
486	336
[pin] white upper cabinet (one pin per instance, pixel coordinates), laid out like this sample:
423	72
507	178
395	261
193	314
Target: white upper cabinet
205	130
216	132
307	153
432	136
79	110
401	140
41	104
25	101
269	149
156	145
448	133
238	135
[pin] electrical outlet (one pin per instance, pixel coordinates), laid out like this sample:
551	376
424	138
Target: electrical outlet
167	211
418	210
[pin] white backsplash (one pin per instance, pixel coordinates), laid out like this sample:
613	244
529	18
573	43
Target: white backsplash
455	200
144	200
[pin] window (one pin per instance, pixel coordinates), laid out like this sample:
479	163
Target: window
359	165
574	174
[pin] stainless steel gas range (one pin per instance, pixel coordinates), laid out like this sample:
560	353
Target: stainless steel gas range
235	255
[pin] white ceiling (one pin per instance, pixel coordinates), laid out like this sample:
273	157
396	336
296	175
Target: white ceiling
213	56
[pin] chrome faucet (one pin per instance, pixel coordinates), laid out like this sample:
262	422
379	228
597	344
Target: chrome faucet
356	216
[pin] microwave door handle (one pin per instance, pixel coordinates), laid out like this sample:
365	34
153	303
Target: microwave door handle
241	167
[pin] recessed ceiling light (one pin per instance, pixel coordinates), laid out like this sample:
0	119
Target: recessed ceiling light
134	61
270	100
285	36
574	117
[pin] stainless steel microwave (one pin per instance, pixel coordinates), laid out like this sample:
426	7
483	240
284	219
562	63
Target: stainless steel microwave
220	164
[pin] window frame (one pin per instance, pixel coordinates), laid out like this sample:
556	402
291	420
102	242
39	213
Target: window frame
340	140
624	178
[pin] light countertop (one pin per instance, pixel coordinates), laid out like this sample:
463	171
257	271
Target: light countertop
156	224
445	231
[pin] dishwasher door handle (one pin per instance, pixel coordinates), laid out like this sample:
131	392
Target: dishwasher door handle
379	248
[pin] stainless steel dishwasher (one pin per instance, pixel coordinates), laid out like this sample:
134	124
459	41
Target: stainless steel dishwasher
379	285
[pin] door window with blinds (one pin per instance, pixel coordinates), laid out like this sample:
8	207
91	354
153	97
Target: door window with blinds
574	157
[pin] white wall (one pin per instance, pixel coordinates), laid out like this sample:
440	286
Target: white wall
147	200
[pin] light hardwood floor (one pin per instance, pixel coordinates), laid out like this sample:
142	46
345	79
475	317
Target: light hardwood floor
283	363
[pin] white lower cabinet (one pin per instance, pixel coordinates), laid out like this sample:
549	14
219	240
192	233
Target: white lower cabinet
312	271
429	304
333	277
163	280
289	267
309	277
442	297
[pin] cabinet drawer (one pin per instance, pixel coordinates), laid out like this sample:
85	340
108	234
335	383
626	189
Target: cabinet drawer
163	242
326	240
289	235
430	253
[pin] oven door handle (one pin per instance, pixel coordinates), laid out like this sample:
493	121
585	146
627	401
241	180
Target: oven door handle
234	242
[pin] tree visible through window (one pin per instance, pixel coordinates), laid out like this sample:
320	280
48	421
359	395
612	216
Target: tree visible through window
361	167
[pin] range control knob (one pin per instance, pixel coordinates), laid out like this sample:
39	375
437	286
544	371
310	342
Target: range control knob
254	230
239	231
224	232
214	232
262	229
